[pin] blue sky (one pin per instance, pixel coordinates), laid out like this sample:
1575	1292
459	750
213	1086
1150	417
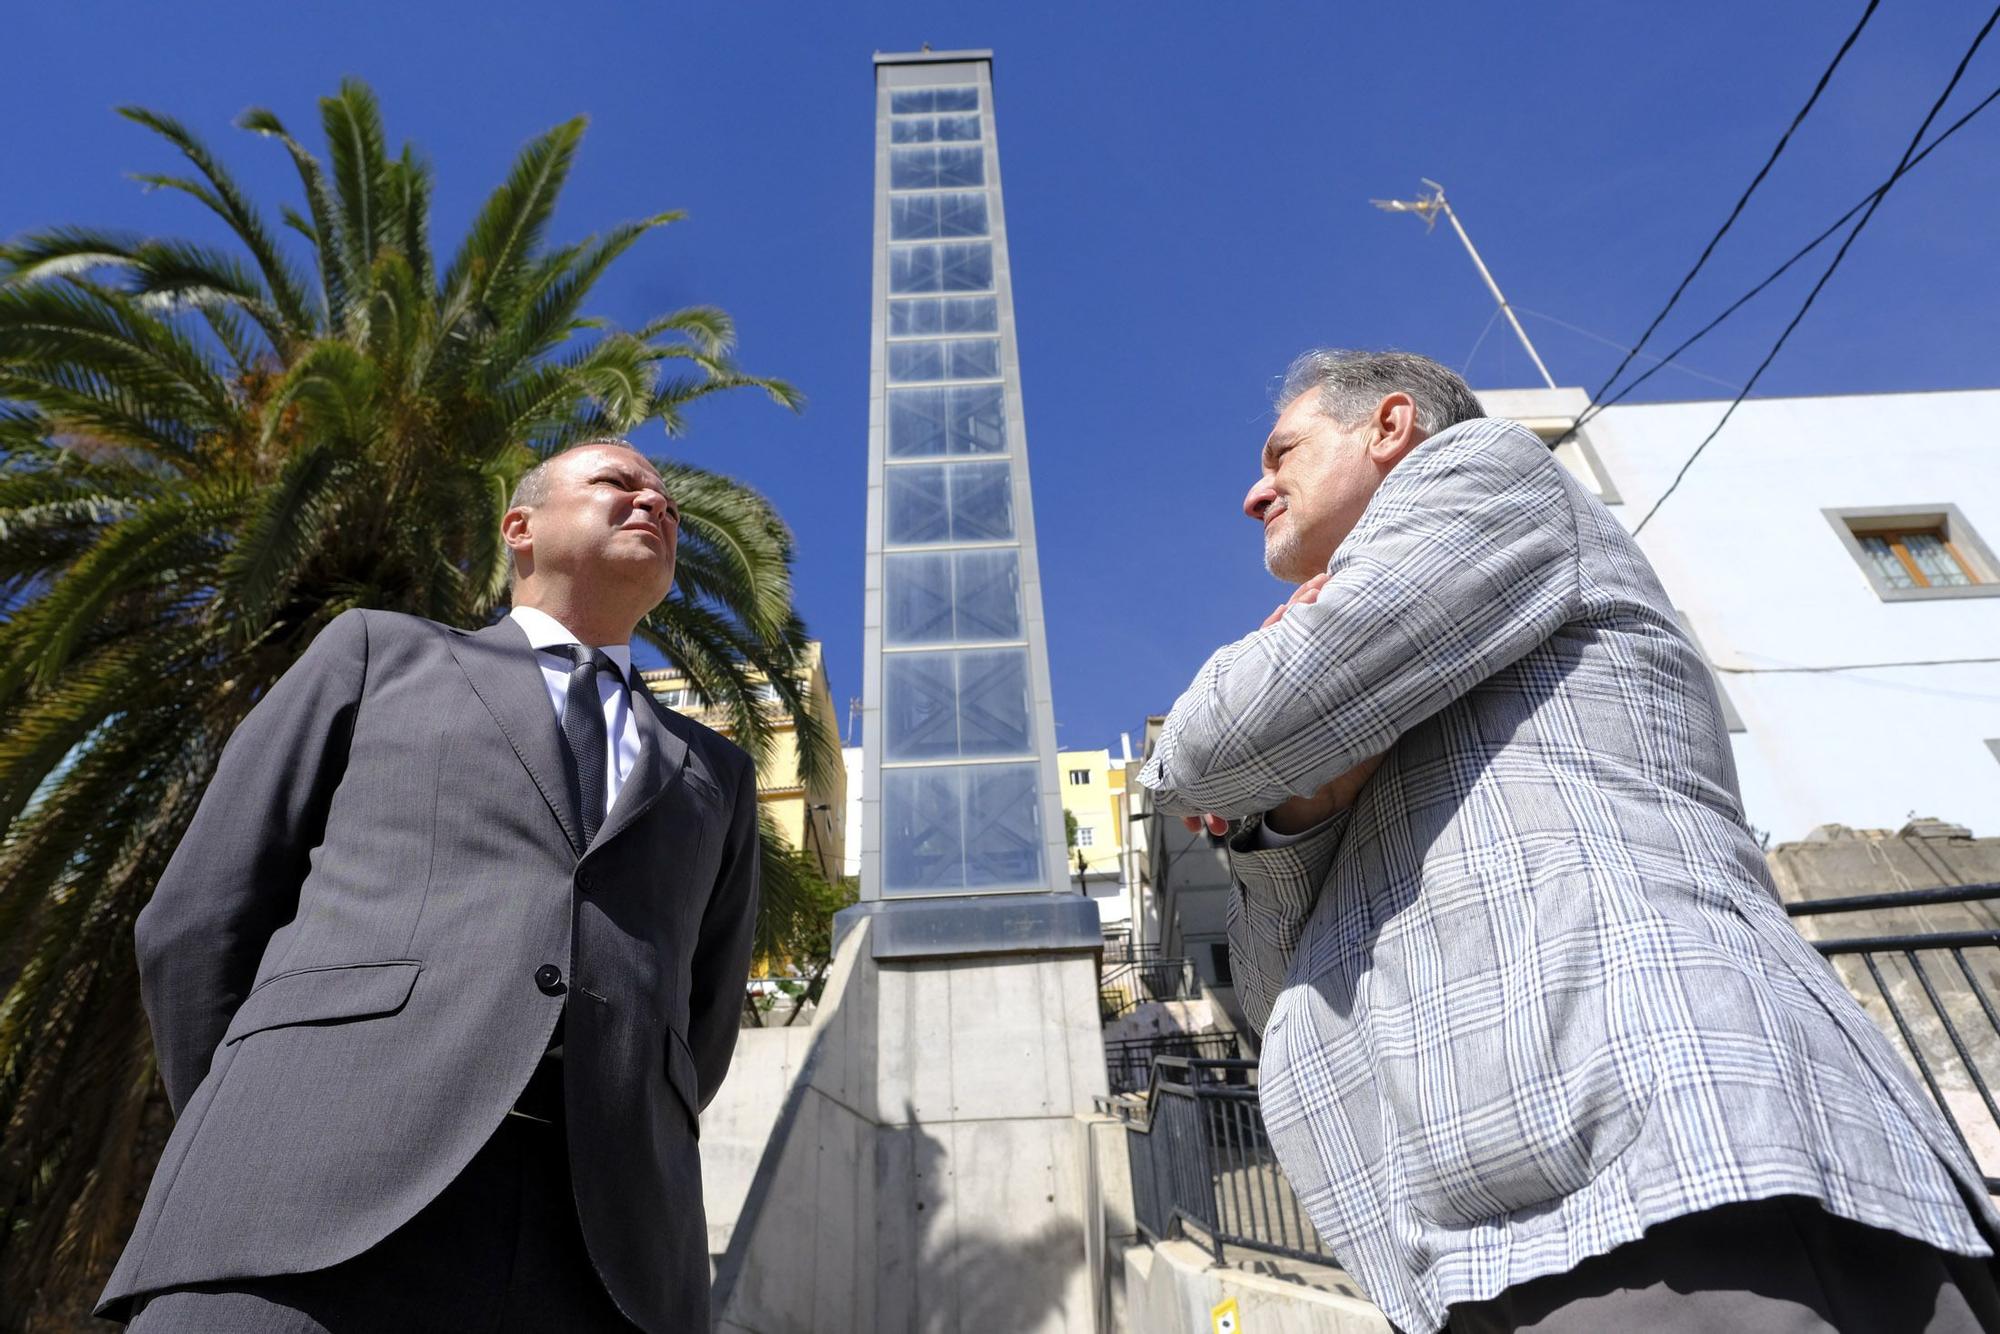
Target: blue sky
1187	192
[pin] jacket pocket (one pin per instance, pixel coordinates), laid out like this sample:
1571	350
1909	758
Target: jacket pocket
1521	1069
681	1074
335	993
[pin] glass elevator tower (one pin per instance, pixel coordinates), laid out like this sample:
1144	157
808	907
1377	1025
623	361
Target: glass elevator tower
959	774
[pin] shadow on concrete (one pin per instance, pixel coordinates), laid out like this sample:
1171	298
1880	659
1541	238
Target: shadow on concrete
843	1011
980	1279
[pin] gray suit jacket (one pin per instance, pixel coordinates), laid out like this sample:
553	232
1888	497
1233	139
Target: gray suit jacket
1534	992
340	966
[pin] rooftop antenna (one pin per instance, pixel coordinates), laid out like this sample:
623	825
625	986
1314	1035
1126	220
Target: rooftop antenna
1428	209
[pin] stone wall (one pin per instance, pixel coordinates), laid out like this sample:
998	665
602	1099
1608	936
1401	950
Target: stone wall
1837	862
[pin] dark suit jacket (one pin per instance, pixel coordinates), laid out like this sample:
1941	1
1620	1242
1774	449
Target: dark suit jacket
340	966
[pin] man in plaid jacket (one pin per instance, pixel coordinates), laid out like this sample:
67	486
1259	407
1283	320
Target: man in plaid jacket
1541	1049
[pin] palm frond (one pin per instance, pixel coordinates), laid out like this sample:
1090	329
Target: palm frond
289	525
63	252
227	200
86	401
741	549
70	323
551	307
673	394
358	158
336	283
707	327
510	225
166	532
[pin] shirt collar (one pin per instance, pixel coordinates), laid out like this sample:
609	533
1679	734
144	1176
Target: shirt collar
545	631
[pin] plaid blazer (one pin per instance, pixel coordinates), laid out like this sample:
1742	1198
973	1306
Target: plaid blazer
1534	991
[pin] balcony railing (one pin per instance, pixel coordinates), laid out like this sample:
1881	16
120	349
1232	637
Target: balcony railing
1933	990
1123	987
1129	1061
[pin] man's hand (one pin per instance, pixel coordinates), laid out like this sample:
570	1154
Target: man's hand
1299	813
1305	592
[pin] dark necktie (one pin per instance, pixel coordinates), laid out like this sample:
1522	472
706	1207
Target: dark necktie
583	733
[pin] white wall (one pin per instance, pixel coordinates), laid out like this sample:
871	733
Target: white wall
1746	553
850	758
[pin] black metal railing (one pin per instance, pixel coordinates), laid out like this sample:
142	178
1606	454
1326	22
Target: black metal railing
1129	1061
1123	987
1938	1001
1127	987
1200	1159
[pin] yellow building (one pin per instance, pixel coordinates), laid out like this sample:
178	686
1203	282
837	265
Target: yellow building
1093	791
814	819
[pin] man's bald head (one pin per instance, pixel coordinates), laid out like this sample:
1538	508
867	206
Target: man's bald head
533	488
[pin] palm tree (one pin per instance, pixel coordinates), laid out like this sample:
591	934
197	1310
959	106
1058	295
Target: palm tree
206	454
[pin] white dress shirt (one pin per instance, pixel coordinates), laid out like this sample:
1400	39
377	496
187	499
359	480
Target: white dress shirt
621	729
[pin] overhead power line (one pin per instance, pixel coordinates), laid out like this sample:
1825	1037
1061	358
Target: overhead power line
1826	76
1902	166
1663	363
1584	418
1853	666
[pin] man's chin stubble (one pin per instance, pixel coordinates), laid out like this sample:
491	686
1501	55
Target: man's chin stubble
1281	558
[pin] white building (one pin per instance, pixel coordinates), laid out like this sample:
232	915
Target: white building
1834	559
850	760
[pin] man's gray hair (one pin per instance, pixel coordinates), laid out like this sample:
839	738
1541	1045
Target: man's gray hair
1350	384
533	488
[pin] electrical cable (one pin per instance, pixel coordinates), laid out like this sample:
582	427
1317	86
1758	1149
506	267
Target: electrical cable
1853	666
1901	167
1465	367
1584	418
1664	363
1825	77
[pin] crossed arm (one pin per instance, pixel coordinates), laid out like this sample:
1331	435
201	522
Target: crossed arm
1464	561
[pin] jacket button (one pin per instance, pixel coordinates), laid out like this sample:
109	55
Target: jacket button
549	978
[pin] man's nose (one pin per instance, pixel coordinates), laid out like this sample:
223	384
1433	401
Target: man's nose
1260	498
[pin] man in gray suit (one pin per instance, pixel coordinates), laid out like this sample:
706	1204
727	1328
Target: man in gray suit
1541	1048
448	963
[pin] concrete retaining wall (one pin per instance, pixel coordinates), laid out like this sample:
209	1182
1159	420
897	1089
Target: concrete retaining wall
930	1168
1172	1288
736	1127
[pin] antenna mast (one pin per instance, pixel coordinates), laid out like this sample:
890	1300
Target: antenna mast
1428	209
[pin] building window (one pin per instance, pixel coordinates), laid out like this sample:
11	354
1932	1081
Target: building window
1917	554
1079	777
1916	558
1085	836
1218	964
674	698
944	359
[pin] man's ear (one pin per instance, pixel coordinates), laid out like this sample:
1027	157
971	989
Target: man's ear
514	530
1395	429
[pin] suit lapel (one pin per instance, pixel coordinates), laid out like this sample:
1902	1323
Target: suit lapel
502	669
662	757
